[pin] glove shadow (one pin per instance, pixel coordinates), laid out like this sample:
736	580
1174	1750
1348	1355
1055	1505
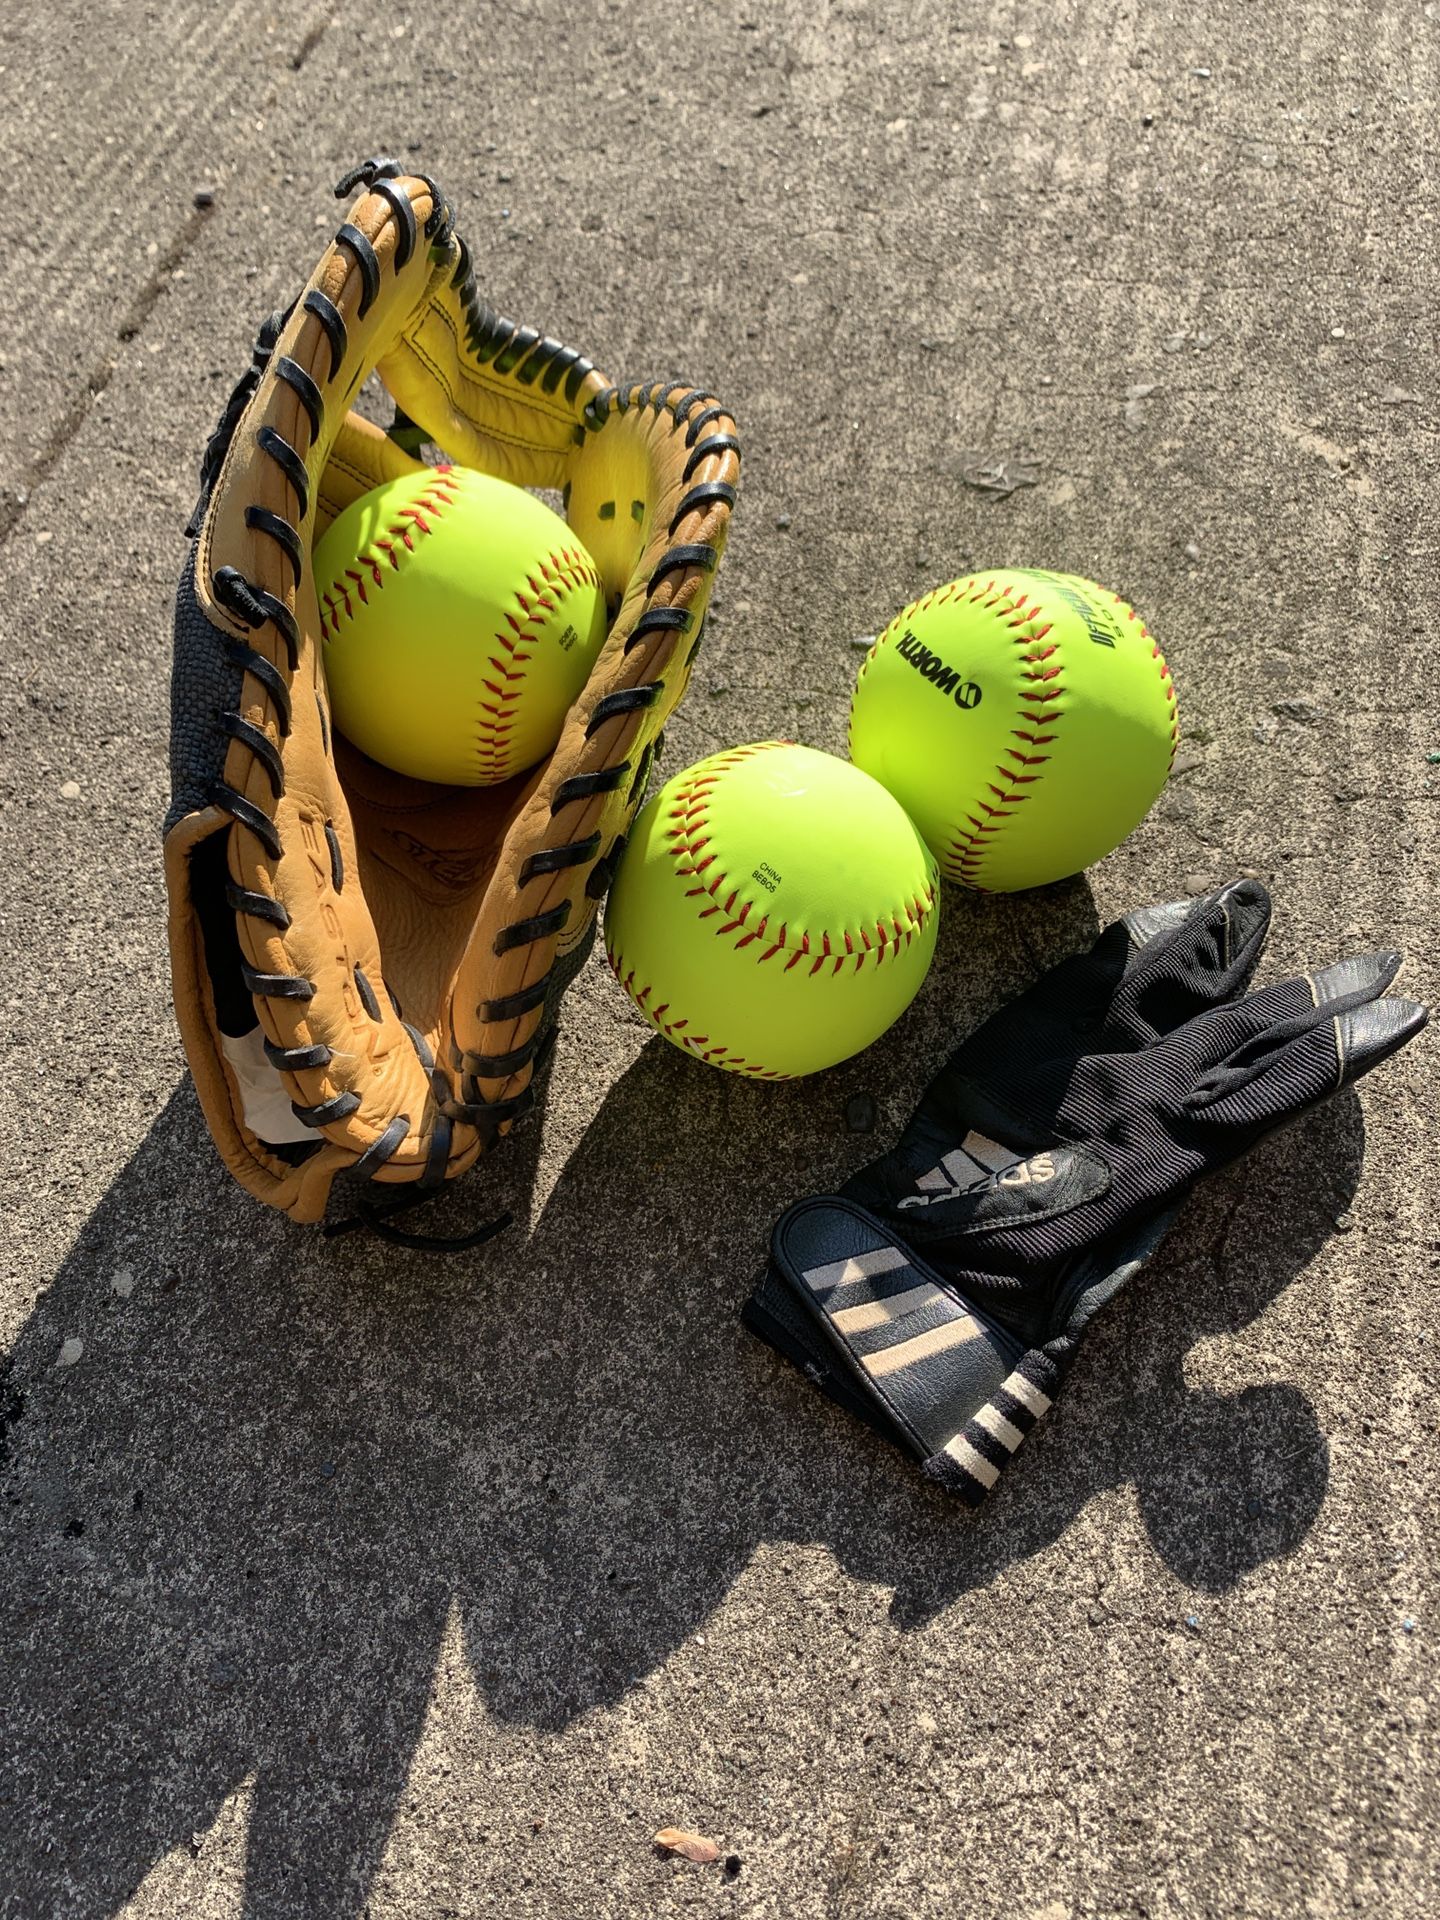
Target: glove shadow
1225	1480
1237	1479
283	1469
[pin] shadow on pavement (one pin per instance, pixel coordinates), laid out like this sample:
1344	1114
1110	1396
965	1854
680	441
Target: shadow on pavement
237	1524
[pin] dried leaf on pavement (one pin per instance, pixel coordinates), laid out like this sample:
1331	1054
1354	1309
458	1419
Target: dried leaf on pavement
690	1846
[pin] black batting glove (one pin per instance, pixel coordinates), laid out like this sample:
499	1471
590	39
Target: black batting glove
942	1293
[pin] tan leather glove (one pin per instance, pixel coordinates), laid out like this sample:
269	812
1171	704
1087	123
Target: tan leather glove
365	965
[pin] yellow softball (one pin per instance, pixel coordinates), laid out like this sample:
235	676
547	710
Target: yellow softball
1024	719
775	911
460	617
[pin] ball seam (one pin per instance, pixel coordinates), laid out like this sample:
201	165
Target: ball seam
970	846
970	850
562	571
383	548
697	1044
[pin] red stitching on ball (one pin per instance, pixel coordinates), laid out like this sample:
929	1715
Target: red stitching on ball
687	835
970	849
1168	684
964	857
561	572
439	492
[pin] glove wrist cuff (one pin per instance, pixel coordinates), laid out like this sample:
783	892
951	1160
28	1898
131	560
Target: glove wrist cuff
888	1338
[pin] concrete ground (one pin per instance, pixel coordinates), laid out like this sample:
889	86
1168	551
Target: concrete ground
339	1581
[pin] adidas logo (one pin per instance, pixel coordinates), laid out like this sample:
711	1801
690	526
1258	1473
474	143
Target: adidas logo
974	1164
1029	1173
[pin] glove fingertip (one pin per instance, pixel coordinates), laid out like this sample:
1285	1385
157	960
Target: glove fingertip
1363	974
1147	924
1366	1035
1247	908
1244	903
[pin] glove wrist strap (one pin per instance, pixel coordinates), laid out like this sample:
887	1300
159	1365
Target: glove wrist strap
883	1334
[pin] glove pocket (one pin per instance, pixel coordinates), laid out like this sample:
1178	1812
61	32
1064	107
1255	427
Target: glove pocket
933	1372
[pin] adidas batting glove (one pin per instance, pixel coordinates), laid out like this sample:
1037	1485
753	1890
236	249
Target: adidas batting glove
941	1295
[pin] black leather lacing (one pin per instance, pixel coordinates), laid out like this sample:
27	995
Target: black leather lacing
553	859
254	606
487	334
687	403
337	860
218	444
486	1116
297	1059
279	529
697	426
704	495
293	468
363	254
680	560
276	986
539	360
258	822
494	1066
333	322
582	786
265	671
380	1150
523	933
515	348
647	760
367	994
524	351
308	394
260	906
405	221
659	620
510	1006
602	874
260	744
623	700
378	1220
327	1112
713	443
599	407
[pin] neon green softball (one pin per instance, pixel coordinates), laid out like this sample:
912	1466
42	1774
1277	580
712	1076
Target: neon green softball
461	617
775	911
1025	720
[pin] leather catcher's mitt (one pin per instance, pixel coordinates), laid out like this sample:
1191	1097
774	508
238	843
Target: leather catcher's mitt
367	967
